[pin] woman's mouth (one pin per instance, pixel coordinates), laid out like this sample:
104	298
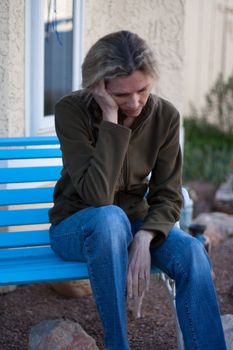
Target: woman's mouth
133	112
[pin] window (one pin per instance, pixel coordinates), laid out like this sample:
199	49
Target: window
53	58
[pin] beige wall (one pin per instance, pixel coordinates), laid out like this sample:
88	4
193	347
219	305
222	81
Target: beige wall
11	67
159	22
208	47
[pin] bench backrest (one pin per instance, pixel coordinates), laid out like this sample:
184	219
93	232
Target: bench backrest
29	167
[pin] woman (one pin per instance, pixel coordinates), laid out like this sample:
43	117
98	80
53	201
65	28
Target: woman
113	134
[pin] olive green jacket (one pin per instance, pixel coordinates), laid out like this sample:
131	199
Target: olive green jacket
106	163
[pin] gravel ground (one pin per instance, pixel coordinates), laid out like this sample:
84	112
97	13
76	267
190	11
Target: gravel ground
28	305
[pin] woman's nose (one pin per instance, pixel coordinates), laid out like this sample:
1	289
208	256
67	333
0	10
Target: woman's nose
133	101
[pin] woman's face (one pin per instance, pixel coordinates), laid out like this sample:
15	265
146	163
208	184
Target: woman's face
131	92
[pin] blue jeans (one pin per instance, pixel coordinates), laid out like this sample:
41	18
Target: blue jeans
101	237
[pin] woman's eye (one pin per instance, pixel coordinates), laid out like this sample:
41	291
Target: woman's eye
120	95
142	91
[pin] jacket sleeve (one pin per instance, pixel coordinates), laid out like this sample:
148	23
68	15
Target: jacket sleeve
165	196
93	169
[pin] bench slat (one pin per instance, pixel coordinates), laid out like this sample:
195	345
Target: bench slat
30	153
37	265
28	141
24	239
30	174
24	217
26	196
11	256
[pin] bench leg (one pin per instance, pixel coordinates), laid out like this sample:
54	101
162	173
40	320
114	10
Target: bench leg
171	288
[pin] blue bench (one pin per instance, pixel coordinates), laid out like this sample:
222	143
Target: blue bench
26	192
29	168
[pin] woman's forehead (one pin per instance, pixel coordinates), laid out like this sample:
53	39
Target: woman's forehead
134	81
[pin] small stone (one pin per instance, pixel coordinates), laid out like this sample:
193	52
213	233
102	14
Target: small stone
60	335
227	322
7	289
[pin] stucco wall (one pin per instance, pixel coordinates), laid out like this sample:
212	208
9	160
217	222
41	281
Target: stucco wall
12	68
208	48
160	22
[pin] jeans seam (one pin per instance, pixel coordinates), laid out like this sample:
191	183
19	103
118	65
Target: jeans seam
93	286
66	234
191	325
169	255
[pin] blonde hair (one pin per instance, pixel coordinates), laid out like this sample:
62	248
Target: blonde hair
117	54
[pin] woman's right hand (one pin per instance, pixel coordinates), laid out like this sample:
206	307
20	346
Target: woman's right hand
106	103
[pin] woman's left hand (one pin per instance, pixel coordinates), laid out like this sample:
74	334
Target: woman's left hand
107	104
139	264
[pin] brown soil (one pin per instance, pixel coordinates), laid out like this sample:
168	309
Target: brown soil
28	305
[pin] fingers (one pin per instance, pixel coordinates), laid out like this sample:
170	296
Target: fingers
138	279
141	285
148	276
99	89
137	284
107	104
99	92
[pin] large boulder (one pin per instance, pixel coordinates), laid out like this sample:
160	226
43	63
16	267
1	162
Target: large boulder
219	226
60	335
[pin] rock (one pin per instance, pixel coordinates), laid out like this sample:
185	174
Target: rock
72	289
225	191
60	335
227	322
7	289
214	235
219	226
224	196
202	193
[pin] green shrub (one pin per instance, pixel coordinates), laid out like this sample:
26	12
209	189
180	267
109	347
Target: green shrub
208	151
219	103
